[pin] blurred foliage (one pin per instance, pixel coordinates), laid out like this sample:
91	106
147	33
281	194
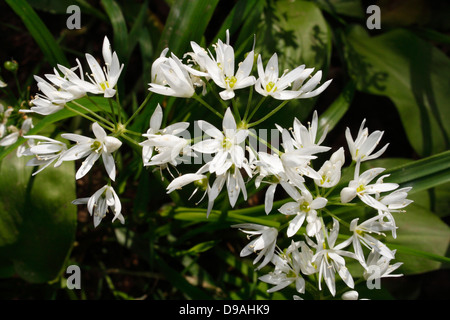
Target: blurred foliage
396	77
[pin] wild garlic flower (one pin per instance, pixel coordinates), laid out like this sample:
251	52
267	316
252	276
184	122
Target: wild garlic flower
173	78
362	236
227	147
368	193
288	269
362	147
104	79
271	171
304	207
329	259
101	202
221	69
51	100
4	116
167	142
270	84
330	171
309	89
378	266
306	137
45	152
91	149
265	243
13	133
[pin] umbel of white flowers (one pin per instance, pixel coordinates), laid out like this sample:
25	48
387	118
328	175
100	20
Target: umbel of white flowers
231	161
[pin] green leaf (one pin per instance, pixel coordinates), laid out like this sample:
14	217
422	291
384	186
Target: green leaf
39	32
422	174
187	21
413	74
119	26
37	219
422	240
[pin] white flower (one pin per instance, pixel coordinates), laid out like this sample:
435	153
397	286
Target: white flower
226	146
165	141
351	295
269	83
157	75
309	90
330	171
396	200
329	259
103	200
4	116
222	69
360	187
102	145
265	243
183	180
15	134
303	208
271	171
173	78
362	236
45	152
104	80
362	148
296	161
306	137
378	266
52	100
288	268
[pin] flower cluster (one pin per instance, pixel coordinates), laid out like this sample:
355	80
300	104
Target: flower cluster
229	161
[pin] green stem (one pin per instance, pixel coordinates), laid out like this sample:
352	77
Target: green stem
119	107
93	113
236	111
267	144
113	114
89	118
267	116
138	110
336	217
256	108
213	90
204	103
247	108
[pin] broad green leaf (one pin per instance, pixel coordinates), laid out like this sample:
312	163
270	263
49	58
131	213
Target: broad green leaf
119	25
413	74
422	174
349	8
241	22
37	219
187	21
39	32
421	239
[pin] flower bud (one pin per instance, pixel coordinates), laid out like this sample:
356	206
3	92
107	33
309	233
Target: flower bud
347	194
11	66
